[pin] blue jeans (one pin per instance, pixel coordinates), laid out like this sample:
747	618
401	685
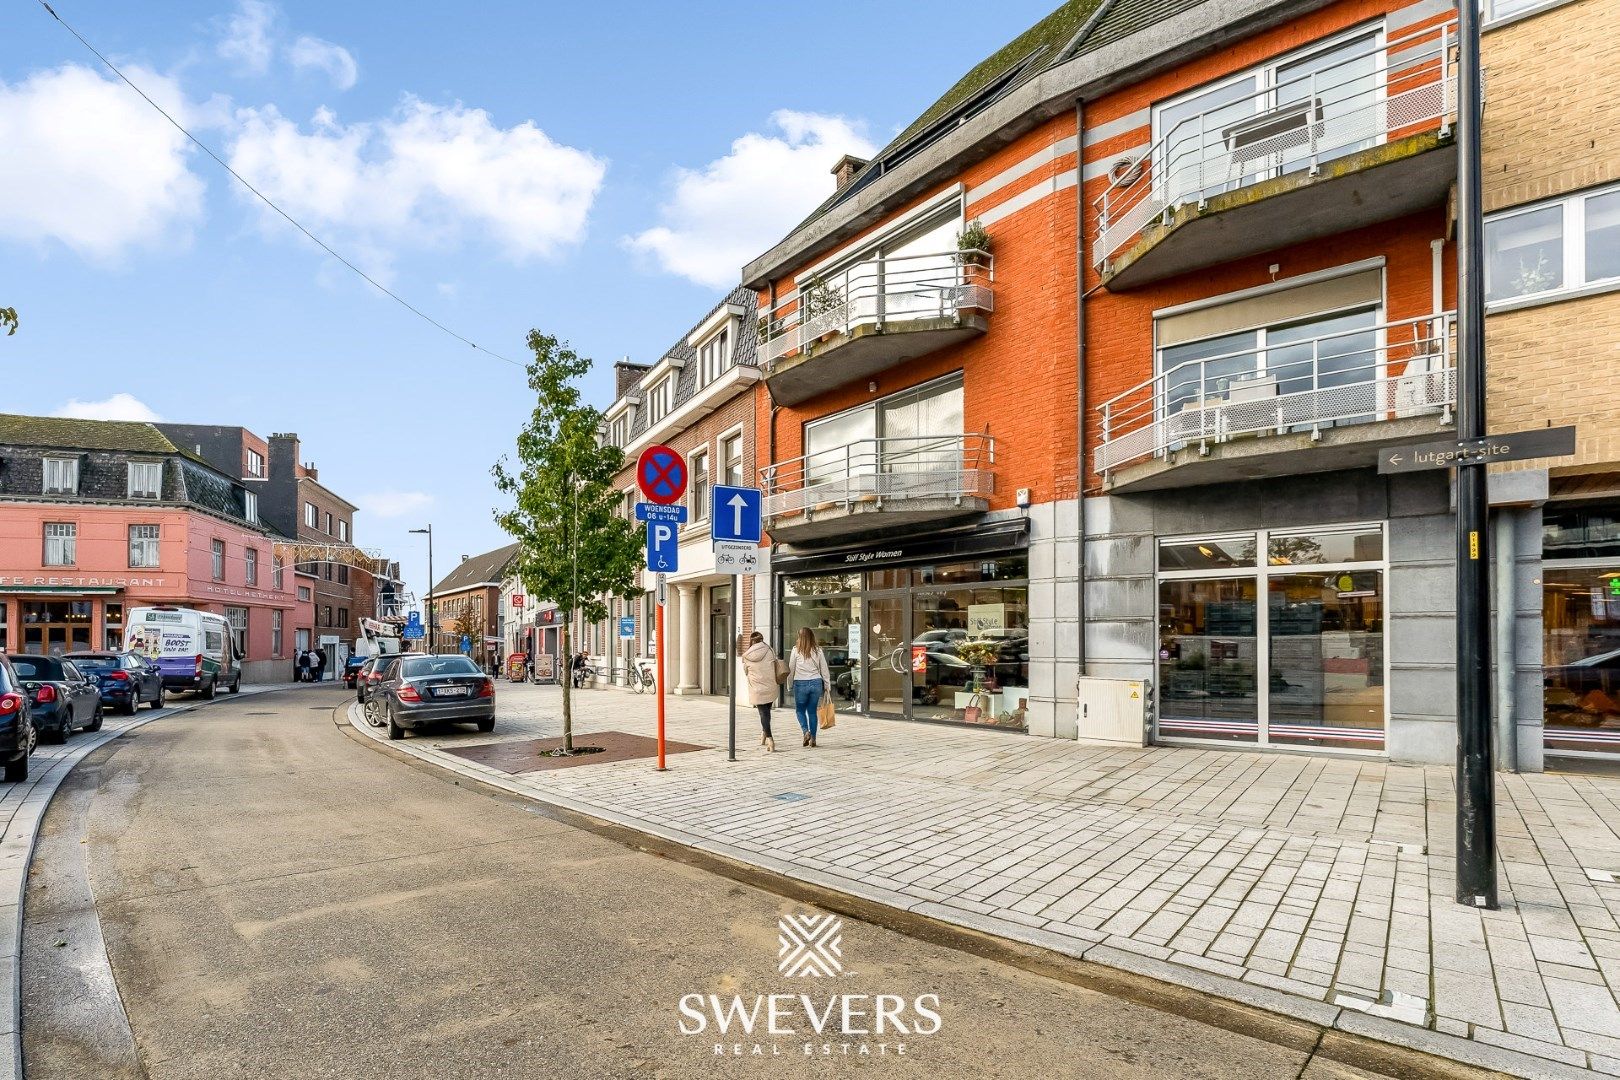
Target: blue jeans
806	699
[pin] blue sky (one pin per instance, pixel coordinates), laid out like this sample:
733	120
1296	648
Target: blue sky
599	171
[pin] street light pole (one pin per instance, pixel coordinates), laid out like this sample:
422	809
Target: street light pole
432	615
1476	793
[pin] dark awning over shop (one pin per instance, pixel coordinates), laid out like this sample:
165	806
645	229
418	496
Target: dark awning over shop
988	539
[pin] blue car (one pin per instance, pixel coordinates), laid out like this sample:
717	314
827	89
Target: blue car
61	698
127	679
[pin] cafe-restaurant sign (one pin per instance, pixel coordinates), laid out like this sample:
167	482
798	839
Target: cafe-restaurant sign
86	581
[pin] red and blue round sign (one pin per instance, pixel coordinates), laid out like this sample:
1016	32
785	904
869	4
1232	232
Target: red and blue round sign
661	475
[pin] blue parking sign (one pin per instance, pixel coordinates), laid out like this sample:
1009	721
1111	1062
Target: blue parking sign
735	515
662	546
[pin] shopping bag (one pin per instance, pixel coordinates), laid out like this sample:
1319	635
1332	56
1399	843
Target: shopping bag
826	715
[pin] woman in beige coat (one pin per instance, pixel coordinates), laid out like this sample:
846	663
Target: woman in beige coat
759	665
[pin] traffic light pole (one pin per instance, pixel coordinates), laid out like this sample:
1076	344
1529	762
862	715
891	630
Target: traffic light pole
1476	794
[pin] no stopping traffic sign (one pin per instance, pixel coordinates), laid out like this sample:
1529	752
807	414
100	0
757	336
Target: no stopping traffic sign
661	475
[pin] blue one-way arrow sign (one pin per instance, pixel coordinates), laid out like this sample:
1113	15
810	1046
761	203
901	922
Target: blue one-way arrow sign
735	514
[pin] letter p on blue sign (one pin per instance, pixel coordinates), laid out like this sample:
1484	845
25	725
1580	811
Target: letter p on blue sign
662	548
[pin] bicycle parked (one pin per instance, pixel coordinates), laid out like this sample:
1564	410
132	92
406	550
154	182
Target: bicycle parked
641	677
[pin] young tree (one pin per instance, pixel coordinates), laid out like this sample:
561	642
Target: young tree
576	547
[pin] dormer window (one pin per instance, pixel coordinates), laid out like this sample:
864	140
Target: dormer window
61	476
250	507
714	357
145	479
659	399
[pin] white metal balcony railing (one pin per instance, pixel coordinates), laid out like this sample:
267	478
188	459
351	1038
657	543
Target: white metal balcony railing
1367	96
1385	372
874	470
888	289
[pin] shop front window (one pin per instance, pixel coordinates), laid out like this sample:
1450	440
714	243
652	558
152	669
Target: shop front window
113	620
1581	657
52	627
1304	668
835	621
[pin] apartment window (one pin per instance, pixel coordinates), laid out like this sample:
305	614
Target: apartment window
659	399
343	575
61	476
145	479
61	543
343	531
143	546
311	515
1554	247
618	430
1503	9
698	493
250	507
219	560
910	431
255	467
275	633
303	594
275	573
731	452
714	357
238	618
328	571
329	525
250	564
343	616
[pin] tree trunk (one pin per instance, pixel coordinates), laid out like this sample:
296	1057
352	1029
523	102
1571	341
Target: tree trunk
567	661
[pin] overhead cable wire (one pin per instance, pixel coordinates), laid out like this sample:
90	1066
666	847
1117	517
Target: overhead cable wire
262	197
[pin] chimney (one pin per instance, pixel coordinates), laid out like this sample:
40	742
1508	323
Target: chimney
845	170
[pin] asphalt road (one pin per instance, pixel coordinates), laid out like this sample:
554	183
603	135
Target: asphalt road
279	900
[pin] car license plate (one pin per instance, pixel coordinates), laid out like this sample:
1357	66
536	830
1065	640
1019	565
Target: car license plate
450	691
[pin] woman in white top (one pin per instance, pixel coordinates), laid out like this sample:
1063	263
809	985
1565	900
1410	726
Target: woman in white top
807	667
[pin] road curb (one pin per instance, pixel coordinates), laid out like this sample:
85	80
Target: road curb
1106	964
17	853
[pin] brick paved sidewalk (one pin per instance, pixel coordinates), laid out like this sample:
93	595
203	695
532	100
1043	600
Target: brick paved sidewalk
1315	887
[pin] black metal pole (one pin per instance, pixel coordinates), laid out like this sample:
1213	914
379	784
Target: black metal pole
1476	794
731	665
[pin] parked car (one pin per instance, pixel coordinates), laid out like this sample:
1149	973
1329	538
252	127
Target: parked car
195	650
17	735
369	675
125	679
60	697
420	690
351	669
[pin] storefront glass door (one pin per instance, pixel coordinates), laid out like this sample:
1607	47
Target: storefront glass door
886	655
719	639
53	627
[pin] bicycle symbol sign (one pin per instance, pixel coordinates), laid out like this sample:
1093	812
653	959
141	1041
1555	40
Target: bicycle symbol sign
661	475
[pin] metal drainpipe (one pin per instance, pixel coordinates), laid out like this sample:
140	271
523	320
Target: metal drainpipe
1080	379
1507	553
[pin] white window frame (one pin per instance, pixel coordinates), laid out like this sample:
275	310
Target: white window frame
217	553
67	480
698	501
239	632
255	463
343	530
65	536
311	515
277	569
275	632
723	475
148	545
250	565
144	469
1573	226
250	506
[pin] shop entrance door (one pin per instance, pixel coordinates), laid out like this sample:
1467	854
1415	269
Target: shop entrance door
53	627
886	655
719	639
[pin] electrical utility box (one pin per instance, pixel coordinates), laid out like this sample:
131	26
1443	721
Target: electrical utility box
1113	711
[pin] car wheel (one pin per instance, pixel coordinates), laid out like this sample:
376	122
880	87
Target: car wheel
17	769
486	725
95	720
130	704
395	732
157	703
236	685
208	691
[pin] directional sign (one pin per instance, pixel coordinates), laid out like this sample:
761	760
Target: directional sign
627	627
662	547
466	643
654	512
661	474
413	632
1451	453
736	514
731	557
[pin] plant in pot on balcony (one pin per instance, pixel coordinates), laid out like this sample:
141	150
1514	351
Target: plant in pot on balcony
820	300
972	251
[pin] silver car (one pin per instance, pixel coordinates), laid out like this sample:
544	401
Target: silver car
416	691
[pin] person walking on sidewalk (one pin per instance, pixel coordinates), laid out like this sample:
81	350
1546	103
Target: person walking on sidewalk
808	669
303	665
760	666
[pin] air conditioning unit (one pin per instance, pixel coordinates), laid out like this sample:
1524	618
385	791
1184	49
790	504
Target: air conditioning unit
1113	711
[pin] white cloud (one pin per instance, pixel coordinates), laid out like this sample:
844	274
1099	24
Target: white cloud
246	38
720	216
424	177
335	60
117	407
393	504
89	164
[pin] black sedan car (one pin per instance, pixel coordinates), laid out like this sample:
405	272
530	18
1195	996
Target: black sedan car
126	678
419	690
60	697
17	737
369	675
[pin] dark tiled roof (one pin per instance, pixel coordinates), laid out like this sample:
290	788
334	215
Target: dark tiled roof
64	433
490	566
744	352
1125	17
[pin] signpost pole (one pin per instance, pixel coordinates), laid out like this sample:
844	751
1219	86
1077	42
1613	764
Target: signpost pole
660	661
731	669
1476	795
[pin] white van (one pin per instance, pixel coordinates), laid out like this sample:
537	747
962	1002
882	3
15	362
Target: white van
194	650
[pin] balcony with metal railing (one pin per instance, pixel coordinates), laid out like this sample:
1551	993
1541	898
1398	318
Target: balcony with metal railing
878	483
1361	137
870	316
1309	405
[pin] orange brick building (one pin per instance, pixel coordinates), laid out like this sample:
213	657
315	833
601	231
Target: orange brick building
1078	387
